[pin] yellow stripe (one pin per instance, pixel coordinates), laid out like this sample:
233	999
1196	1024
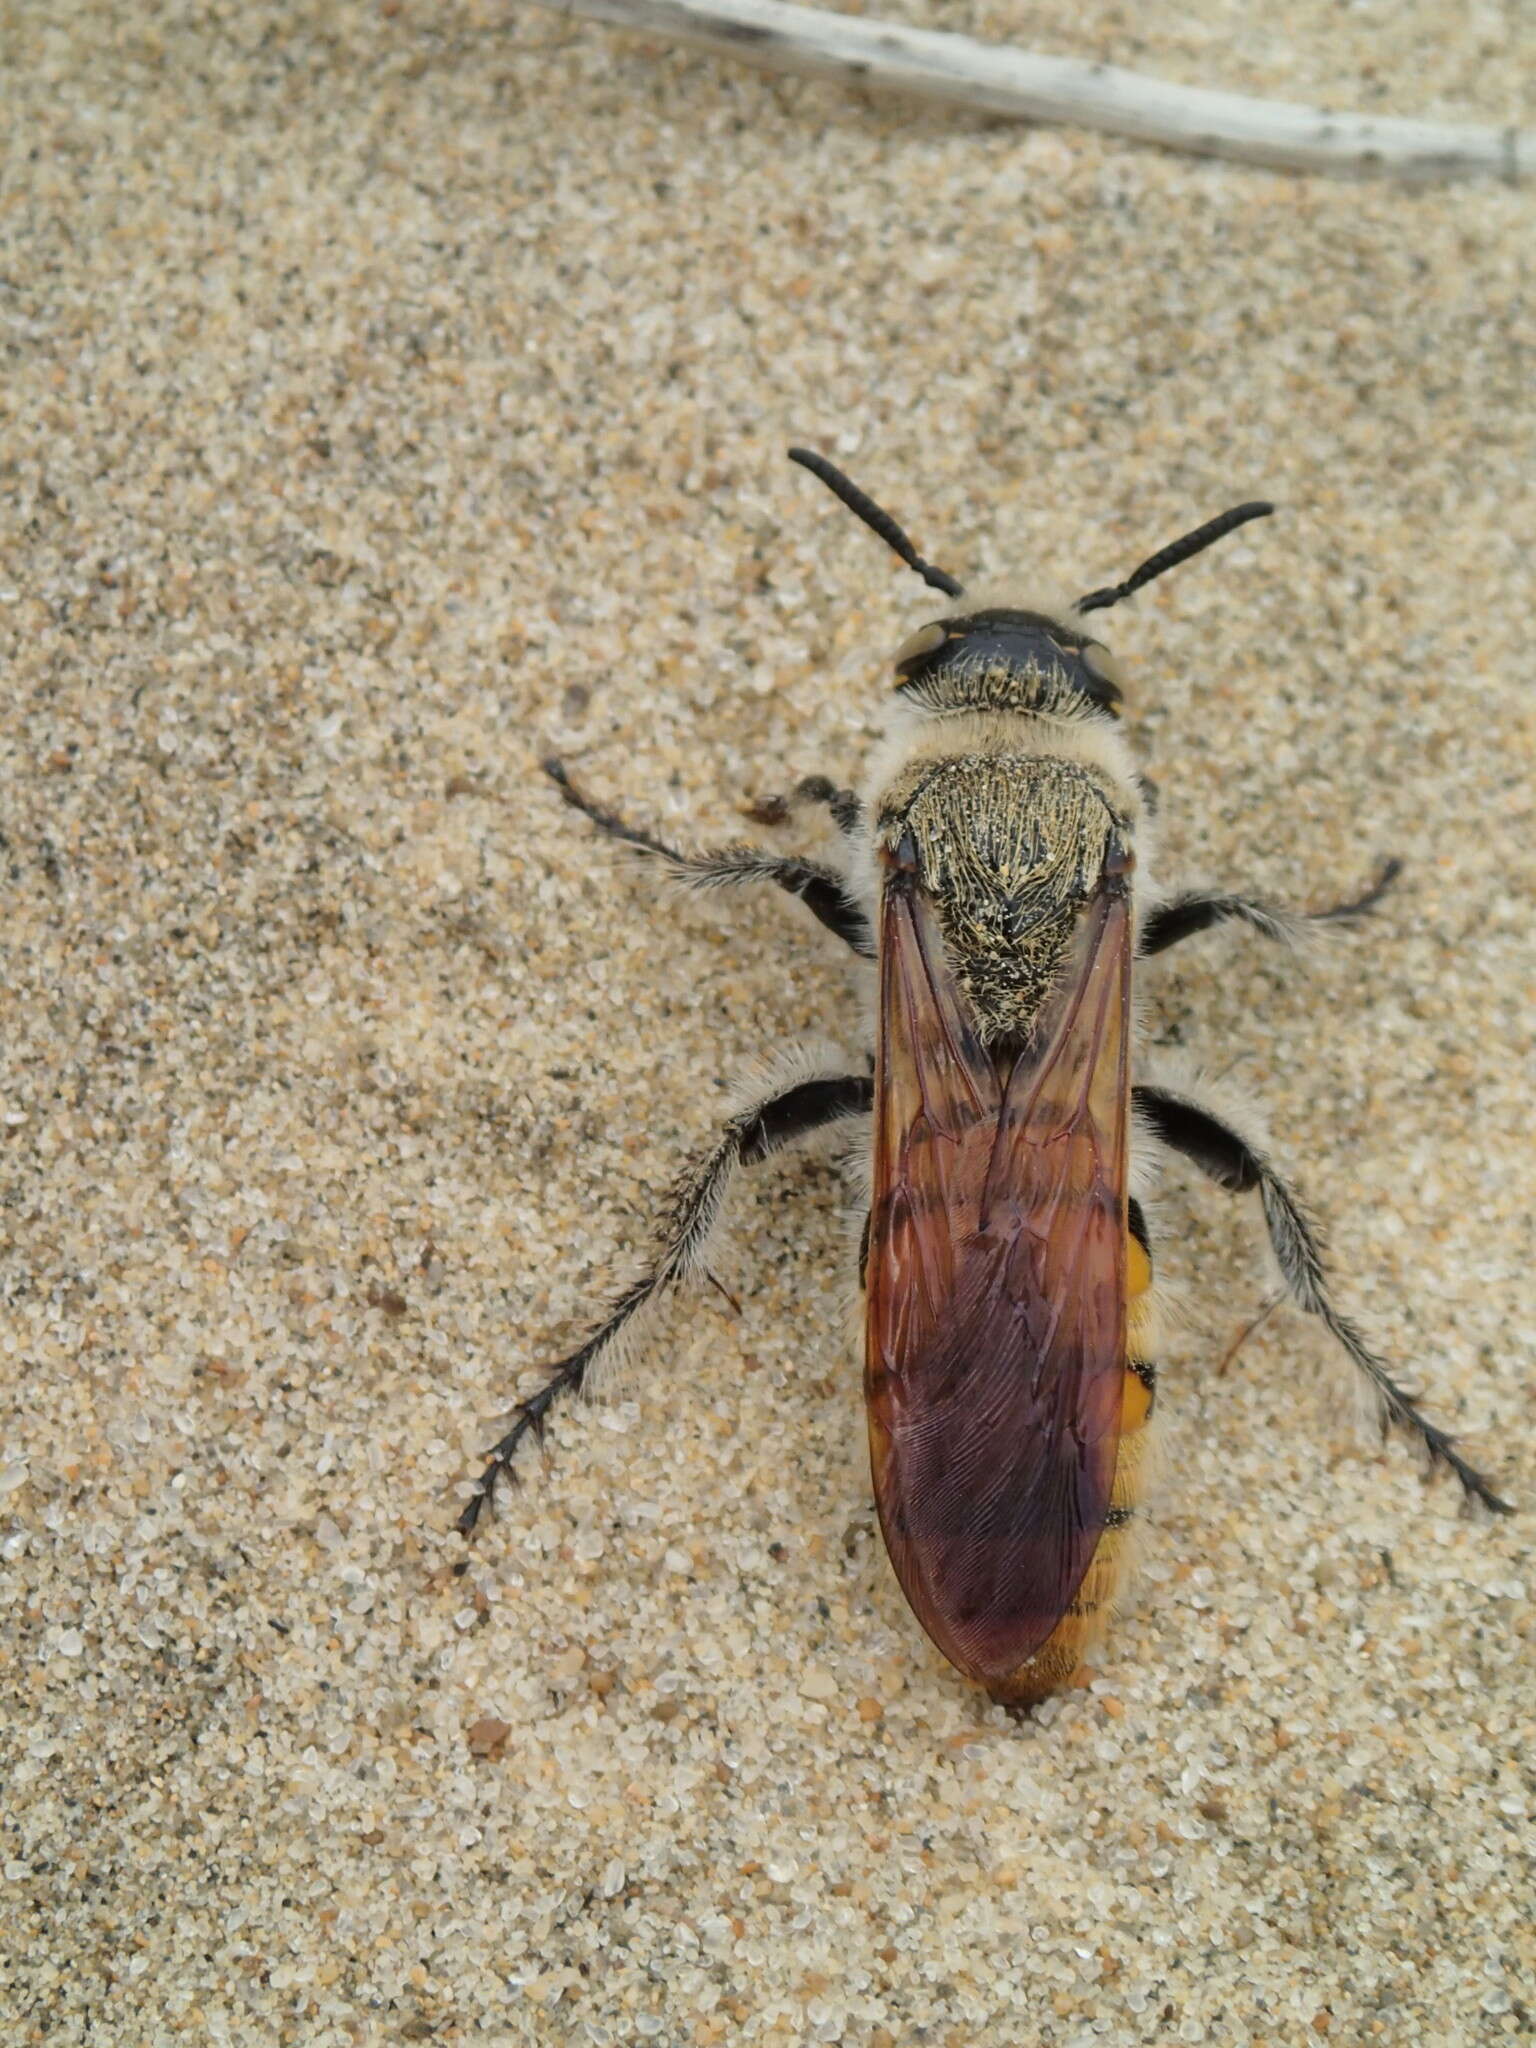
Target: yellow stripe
1135	1407
1138	1267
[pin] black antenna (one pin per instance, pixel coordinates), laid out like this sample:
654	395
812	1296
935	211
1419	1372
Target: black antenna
864	507
1176	551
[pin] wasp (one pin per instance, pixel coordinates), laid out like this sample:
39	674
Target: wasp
995	870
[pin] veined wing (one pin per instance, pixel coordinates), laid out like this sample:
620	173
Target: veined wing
996	1311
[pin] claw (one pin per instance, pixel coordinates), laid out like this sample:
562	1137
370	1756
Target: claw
767	810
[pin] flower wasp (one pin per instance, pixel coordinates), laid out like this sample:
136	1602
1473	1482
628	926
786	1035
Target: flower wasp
995	872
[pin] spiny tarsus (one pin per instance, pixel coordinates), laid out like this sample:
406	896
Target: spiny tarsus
776	1117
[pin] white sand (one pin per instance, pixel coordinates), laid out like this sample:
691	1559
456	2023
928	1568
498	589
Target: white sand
393	394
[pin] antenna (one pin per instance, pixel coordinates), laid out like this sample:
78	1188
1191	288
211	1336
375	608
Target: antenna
864	507
1176	551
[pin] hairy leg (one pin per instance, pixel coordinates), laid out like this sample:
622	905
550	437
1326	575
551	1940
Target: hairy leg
1180	917
728	867
778	1117
1238	1164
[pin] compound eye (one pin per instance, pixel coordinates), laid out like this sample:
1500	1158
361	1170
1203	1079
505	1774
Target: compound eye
924	641
1101	663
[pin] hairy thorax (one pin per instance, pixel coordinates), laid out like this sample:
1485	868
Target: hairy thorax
1009	846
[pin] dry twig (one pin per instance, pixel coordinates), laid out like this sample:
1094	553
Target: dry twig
960	71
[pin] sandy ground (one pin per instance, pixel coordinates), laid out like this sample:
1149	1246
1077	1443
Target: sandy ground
392	394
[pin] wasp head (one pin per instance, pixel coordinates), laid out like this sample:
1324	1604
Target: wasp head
1013	658
998	658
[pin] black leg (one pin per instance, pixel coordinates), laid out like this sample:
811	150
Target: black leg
774	1120
1234	1162
729	867
847	812
1182	916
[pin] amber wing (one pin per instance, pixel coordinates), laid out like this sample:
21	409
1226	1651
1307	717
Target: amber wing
996	1304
